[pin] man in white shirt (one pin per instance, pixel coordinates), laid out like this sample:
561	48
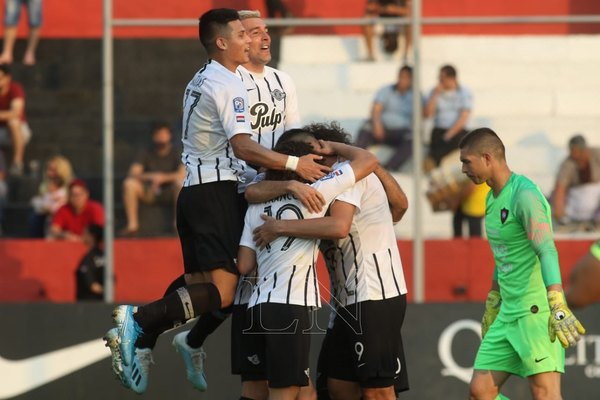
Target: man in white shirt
216	137
287	287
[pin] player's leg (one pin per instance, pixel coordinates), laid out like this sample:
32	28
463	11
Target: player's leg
341	390
584	282
545	386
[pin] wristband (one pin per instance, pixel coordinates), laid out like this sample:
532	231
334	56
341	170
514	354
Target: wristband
292	163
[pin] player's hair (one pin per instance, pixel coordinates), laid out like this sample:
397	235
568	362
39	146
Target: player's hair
292	148
247	14
330	131
483	140
577	141
213	24
448	70
296	135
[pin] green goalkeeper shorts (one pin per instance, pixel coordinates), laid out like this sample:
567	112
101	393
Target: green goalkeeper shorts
521	347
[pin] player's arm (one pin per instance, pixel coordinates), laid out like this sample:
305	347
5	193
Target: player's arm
246	260
431	104
531	209
248	150
396	197
265	190
492	305
363	162
335	226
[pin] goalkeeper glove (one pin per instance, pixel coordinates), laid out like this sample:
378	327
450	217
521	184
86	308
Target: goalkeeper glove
492	307
562	322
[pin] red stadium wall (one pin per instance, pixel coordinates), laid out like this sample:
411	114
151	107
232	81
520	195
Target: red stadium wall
37	270
83	18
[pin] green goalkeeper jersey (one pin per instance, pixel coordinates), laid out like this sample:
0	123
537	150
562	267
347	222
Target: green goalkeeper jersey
519	230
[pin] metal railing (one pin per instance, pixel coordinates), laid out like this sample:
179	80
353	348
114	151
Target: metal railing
416	21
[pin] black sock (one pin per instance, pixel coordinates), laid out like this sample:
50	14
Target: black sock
186	303
148	339
206	325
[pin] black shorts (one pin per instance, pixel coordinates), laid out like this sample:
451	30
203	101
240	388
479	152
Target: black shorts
321	383
365	344
210	226
276	346
240	323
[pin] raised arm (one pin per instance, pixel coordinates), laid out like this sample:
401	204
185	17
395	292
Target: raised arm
396	198
265	190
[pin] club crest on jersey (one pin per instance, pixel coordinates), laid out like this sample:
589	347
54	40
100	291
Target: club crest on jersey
238	105
278	94
503	215
332	174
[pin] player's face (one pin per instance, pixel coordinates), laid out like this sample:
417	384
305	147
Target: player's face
260	46
474	165
238	44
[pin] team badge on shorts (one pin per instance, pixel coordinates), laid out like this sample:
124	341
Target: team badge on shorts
503	215
238	105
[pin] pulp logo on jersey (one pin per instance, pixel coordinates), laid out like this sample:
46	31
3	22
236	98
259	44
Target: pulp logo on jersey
262	118
22	376
238	105
503	215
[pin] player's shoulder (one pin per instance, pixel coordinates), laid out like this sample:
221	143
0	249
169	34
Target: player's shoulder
524	188
284	77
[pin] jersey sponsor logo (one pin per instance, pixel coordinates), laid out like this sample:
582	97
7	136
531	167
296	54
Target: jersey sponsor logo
332	174
17	376
503	215
263	118
278	94
238	105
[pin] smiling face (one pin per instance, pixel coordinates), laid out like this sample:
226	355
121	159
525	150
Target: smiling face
235	45
260	45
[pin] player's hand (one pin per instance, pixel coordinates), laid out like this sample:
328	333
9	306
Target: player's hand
309	169
562	323
492	307
266	233
310	197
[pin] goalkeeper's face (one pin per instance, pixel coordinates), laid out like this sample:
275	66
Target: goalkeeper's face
475	166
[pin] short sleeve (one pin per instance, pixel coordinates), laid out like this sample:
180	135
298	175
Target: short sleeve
17	91
98	214
292	115
336	182
232	107
353	195
60	218
467	99
381	95
246	239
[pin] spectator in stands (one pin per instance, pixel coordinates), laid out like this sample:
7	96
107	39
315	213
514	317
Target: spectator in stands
89	276
14	130
50	197
391	120
70	220
12	14
3	188
576	195
387	8
449	104
154	178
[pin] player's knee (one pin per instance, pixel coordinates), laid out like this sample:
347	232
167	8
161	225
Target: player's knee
478	391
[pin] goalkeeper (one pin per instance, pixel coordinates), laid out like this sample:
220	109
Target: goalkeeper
527	323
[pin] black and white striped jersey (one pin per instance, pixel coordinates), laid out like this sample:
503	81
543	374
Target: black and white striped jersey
273	107
286	271
215	108
367	261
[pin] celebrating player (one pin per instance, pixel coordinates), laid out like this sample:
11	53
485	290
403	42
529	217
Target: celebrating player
216	135
525	309
287	286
